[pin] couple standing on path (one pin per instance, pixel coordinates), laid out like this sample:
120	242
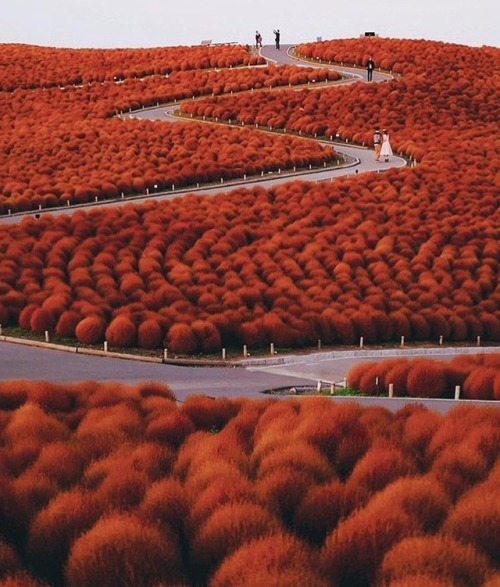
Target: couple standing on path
258	39
382	145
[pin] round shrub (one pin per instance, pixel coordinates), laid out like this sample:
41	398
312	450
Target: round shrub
121	332
123	550
426	378
181	339
90	330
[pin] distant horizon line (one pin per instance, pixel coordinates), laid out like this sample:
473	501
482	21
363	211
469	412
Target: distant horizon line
210	42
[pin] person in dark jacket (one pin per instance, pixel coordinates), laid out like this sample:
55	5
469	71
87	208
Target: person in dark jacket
277	38
370	66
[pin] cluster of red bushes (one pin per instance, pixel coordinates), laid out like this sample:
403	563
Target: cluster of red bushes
59	149
30	66
431	109
290	265
477	376
412	253
106	484
79	163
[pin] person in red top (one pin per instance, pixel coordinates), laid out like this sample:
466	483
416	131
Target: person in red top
377	143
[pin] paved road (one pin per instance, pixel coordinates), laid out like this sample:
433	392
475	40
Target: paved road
249	380
41	364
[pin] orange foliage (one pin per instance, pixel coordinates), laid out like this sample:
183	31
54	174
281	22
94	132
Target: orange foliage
369	531
441	557
414	256
121	332
283	559
227	529
475	518
426	379
190	494
422	377
181	339
121	548
380	465
90	330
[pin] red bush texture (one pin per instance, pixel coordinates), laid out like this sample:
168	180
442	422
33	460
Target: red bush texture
121	548
411	253
435	556
474	374
283	559
121	481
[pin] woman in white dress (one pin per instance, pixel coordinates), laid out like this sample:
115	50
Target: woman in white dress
386	150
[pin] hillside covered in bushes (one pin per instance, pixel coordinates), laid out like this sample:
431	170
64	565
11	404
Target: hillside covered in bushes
412	252
102	484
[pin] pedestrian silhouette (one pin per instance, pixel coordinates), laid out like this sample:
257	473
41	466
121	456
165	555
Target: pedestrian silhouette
386	150
370	66
277	38
258	40
377	143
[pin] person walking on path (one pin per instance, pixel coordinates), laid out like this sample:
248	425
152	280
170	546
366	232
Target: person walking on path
258	40
370	66
377	143
277	38
386	149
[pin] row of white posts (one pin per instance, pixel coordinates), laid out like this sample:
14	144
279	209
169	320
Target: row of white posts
390	388
272	350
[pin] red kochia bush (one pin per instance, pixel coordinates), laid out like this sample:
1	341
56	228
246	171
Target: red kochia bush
426	379
67	323
479	383
166	503
476	518
209	414
181	339
226	530
90	330
42	320
368	531
436	556
150	334
278	559
121	332
21	579
208	337
56	526
380	465
124	550
173	428
319	511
